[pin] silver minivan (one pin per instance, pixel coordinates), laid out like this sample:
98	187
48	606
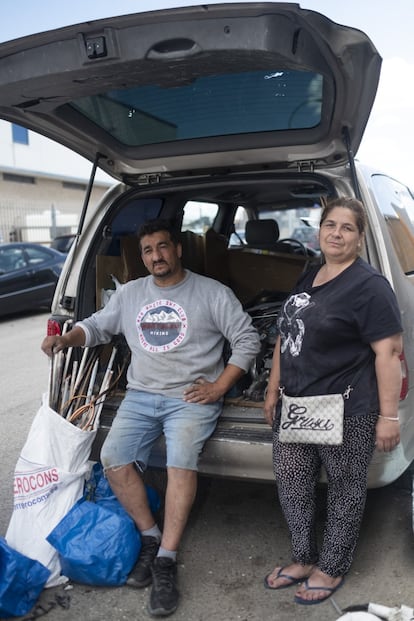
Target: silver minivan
237	122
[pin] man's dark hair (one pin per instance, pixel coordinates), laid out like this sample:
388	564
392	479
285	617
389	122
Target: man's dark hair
154	226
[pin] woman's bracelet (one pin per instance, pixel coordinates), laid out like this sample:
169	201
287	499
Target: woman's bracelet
388	417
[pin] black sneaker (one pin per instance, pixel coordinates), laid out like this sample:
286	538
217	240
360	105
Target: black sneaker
164	593
140	576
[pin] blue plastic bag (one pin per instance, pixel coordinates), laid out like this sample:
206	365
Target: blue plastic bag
98	490
96	545
21	581
97	541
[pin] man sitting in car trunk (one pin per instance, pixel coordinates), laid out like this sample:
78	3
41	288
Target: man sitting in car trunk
175	323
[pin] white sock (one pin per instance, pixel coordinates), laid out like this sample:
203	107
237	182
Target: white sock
154	531
172	554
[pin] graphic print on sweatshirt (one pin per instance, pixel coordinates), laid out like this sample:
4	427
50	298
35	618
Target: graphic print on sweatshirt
291	326
162	326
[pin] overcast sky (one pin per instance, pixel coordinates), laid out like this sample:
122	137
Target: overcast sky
389	138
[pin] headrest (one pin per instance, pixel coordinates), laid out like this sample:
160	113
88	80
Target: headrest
261	232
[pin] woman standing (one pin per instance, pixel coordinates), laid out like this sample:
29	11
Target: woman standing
341	321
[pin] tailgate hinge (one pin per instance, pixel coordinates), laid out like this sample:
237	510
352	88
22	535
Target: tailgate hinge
306	166
149	179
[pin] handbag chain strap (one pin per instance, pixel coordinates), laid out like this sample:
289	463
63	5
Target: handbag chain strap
355	379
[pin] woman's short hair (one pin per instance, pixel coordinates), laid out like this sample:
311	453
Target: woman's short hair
353	204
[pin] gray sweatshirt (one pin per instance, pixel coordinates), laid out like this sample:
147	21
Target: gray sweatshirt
176	334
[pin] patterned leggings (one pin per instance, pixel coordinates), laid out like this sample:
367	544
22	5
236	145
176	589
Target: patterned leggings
297	469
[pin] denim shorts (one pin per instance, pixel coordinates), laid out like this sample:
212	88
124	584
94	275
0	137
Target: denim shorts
142	417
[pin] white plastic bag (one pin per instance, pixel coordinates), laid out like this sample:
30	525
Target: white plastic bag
49	478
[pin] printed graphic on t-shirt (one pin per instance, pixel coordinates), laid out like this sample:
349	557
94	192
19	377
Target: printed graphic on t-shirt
162	325
291	326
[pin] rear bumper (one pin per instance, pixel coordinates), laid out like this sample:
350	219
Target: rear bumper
241	448
231	452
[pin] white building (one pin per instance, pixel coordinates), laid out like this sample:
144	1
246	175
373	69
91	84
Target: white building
42	186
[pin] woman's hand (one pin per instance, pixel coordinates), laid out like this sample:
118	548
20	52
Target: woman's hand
387	434
269	409
272	393
388	371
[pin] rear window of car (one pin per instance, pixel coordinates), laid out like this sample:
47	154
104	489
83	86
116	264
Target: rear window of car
301	223
205	106
11	259
37	255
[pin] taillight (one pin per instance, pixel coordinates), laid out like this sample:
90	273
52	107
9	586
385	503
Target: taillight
404	379
53	328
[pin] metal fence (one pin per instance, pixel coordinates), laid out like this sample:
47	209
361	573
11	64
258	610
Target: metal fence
28	222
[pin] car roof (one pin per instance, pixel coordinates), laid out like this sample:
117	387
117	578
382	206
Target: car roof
194	89
26	244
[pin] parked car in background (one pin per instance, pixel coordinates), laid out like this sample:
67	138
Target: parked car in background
213	116
28	276
63	243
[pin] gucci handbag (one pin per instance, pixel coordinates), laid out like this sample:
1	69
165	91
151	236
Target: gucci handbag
315	420
312	420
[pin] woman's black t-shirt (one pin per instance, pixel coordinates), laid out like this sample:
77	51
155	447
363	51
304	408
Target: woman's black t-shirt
326	333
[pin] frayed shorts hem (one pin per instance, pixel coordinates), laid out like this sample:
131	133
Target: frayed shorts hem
143	418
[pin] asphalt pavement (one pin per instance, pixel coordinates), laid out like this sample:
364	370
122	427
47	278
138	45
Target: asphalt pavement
235	536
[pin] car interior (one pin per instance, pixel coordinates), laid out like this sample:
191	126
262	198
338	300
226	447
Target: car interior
262	258
239	234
